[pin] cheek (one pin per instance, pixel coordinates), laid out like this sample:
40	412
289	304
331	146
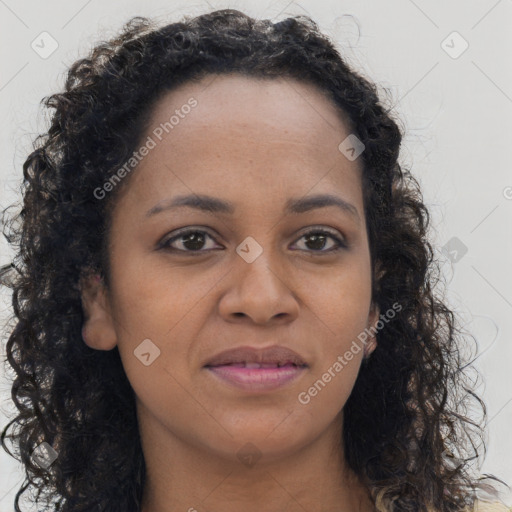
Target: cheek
339	335
325	394
339	325
340	300
164	306
151	298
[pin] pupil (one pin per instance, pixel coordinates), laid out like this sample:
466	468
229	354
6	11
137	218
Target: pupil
197	240
317	238
194	238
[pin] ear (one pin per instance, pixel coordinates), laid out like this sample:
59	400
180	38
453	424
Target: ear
98	328
373	319
373	316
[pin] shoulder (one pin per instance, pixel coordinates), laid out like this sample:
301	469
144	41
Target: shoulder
487	506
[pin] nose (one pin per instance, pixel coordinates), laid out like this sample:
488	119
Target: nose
259	291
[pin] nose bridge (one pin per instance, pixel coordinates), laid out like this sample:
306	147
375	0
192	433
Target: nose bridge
259	288
258	268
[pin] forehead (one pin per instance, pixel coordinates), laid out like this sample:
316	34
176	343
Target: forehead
270	108
260	134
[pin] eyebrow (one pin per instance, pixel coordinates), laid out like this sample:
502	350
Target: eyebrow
216	205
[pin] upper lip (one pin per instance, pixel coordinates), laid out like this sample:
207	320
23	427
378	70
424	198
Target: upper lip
276	354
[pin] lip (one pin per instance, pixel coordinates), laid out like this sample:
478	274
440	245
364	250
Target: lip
275	354
256	379
257	369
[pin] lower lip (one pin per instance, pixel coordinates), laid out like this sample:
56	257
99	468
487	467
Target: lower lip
257	379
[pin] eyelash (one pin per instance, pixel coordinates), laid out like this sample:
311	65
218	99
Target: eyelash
165	244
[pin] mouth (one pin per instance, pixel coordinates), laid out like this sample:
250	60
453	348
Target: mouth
257	370
276	356
247	364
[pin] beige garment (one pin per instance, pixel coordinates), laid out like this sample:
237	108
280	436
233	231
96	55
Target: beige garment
485	506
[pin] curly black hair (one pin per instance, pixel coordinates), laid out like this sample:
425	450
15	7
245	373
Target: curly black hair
406	430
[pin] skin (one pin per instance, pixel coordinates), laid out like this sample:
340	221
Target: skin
256	143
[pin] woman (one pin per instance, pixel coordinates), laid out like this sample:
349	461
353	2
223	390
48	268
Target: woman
225	297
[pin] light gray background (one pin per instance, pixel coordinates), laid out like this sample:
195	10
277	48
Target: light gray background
456	109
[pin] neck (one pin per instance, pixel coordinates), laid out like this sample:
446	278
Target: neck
184	477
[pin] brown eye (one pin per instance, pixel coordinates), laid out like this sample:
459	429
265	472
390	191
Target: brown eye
194	240
190	240
317	239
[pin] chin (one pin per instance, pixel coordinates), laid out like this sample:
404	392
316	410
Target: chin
274	436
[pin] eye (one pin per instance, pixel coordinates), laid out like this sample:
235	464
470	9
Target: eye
192	240
317	238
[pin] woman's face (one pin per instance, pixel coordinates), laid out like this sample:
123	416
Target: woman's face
251	276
